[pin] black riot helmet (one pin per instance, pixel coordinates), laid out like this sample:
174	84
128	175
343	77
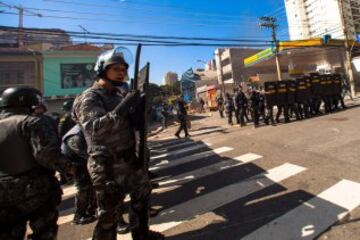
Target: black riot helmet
118	55
21	97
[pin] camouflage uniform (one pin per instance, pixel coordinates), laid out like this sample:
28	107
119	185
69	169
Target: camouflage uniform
65	124
29	190
112	162
74	147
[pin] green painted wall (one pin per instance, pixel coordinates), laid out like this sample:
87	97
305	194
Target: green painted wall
54	79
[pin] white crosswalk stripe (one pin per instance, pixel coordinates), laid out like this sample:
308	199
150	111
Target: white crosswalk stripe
181	144
166	164
314	216
211	169
184	150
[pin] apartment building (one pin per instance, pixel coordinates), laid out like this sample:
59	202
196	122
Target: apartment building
170	78
316	18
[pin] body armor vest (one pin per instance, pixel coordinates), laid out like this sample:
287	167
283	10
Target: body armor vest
15	150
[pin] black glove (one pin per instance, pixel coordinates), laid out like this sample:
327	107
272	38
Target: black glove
128	104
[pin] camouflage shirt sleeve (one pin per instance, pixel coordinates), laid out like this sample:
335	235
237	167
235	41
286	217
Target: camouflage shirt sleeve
45	145
94	119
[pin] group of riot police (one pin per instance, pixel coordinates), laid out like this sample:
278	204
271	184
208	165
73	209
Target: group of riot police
100	151
300	98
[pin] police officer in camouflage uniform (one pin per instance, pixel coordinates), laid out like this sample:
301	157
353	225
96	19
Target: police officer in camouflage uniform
65	124
30	154
104	113
74	148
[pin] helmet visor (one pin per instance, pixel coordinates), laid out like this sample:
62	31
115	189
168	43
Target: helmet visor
122	52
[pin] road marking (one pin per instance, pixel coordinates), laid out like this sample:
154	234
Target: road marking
211	169
175	146
153	145
185	211
193	133
314	216
166	164
68	192
184	150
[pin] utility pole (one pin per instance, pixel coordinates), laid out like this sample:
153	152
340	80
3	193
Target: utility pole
21	10
270	22
348	62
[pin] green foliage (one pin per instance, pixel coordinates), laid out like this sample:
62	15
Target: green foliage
164	93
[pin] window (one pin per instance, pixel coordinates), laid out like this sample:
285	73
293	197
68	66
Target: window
227	76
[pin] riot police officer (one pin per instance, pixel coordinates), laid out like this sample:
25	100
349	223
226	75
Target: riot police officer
241	106
262	105
64	125
220	105
66	122
74	148
105	113
30	154
255	106
229	107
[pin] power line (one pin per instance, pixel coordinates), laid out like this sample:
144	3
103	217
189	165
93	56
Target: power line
235	21
136	22
149	36
197	13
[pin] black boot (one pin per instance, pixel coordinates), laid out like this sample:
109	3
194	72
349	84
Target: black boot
122	227
82	220
149	235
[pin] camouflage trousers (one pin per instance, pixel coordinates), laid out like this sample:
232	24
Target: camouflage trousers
32	200
85	202
127	179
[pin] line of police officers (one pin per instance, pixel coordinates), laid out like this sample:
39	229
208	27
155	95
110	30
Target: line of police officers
100	151
301	97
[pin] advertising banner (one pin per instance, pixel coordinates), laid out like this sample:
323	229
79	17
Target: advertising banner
77	75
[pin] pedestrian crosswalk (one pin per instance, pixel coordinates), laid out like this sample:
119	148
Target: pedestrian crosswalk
185	195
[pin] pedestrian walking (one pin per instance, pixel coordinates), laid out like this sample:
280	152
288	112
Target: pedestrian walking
182	117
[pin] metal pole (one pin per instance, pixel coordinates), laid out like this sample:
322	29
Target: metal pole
221	74
269	22
277	59
348	64
21	25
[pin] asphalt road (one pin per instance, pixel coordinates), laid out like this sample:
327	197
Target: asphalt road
290	181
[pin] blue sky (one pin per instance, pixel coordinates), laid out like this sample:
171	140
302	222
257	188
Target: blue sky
196	18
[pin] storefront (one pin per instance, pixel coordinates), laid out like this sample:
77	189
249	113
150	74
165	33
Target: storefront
68	72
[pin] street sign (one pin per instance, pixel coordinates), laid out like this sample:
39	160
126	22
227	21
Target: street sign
358	37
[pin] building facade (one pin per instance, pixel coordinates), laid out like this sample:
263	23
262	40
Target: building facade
230	66
170	78
68	72
316	18
20	67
